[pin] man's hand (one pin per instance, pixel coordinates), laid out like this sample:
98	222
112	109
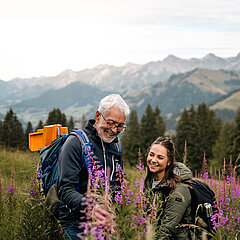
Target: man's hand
102	217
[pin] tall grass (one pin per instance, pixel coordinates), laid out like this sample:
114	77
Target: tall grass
23	214
225	184
24	166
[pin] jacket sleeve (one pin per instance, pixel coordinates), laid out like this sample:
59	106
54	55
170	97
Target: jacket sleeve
70	167
179	201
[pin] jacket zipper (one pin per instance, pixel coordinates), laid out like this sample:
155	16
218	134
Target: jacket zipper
105	162
104	157
112	168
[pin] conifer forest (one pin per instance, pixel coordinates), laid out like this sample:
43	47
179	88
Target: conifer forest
209	146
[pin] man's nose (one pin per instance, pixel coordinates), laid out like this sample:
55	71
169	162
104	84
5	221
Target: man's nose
114	129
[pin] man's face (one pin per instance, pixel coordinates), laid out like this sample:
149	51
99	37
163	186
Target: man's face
106	124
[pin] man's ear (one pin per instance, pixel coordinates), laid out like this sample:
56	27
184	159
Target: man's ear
97	116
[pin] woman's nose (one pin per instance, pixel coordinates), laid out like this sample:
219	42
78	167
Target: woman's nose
154	159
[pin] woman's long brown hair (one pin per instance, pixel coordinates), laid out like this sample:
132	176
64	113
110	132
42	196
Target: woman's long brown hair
170	177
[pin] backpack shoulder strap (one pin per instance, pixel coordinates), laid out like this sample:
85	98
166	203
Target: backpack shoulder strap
87	147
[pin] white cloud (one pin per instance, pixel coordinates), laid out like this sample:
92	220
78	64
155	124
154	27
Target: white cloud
124	11
46	37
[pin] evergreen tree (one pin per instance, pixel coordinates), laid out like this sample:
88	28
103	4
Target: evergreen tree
12	131
39	125
222	147
130	140
83	121
29	129
160	124
1	137
56	117
208	130
200	130
150	128
70	124
186	133
235	136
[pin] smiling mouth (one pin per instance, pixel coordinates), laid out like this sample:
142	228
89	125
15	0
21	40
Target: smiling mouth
153	165
111	134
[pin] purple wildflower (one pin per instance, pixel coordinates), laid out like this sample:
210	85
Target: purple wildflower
32	192
60	231
141	220
12	190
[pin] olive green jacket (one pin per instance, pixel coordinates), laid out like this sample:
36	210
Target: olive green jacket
177	209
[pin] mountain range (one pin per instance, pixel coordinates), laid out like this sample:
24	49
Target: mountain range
172	84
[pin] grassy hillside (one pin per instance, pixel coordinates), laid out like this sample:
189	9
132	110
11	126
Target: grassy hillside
182	90
232	102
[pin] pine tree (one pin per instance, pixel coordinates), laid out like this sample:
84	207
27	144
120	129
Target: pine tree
200	129
186	133
29	129
208	130
12	131
56	117
83	121
130	140
1	127
150	128
222	147
192	144
39	125
160	124
235	136
70	124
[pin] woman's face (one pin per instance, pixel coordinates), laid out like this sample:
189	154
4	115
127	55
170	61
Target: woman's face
157	161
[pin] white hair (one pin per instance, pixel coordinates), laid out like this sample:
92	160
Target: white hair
113	100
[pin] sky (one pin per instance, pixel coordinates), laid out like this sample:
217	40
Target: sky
46	37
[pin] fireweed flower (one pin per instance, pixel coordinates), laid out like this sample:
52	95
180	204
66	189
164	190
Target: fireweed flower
136	221
12	190
227	197
140	167
141	220
1	198
1	186
60	230
98	188
32	192
118	198
204	175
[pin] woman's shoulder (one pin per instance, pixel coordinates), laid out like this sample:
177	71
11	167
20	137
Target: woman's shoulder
181	194
182	185
182	188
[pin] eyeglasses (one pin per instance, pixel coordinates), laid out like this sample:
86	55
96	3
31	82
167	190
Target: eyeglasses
113	124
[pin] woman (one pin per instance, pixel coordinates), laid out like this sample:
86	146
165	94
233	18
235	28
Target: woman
165	176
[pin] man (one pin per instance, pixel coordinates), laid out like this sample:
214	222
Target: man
103	133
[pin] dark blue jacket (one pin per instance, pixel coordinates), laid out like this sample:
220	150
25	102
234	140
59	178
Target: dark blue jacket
73	175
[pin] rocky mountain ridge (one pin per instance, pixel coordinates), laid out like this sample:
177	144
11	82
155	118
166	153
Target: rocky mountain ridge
172	84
